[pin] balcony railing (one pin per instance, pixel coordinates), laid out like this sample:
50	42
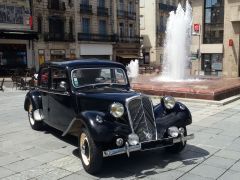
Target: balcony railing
95	37
121	14
166	7
126	14
128	39
60	6
85	9
62	37
102	11
131	15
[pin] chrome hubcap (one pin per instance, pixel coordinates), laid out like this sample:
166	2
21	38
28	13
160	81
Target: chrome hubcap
85	149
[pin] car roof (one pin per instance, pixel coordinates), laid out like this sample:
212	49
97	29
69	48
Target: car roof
83	63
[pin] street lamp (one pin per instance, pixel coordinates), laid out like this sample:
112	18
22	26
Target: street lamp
198	51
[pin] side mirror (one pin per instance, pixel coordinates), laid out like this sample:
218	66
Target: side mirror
63	86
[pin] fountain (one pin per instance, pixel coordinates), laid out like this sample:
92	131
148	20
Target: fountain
173	80
177	44
133	69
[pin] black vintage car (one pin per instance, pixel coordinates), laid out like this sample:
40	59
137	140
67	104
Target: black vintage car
93	100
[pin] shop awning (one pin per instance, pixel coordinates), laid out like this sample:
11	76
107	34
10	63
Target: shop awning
129	56
18	34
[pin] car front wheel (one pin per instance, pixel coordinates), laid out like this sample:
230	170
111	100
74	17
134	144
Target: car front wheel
36	125
90	153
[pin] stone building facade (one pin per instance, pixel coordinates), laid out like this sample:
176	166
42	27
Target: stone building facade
153	19
54	22
218	38
126	30
70	29
16	35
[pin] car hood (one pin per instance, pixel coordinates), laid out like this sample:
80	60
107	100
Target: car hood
100	99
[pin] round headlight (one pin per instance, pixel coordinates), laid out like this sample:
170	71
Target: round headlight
173	131
169	102
117	110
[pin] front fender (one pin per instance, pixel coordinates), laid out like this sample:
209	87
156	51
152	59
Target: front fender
35	98
100	132
179	116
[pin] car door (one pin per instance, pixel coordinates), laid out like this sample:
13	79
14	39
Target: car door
61	103
43	85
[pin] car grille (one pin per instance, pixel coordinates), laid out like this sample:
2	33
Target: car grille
141	117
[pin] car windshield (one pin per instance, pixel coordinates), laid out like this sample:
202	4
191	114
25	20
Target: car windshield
96	76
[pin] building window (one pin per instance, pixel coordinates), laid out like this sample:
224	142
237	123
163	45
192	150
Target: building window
121	5
121	29
131	30
212	64
213	21
142	22
85	25
102	27
70	26
39	23
85	2
130	7
101	3
56	27
142	3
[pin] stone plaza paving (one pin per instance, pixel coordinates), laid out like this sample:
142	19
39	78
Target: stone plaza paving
28	154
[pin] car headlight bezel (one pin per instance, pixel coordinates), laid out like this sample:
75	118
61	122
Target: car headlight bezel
117	109
169	102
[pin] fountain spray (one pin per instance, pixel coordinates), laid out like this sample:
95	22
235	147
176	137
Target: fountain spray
177	44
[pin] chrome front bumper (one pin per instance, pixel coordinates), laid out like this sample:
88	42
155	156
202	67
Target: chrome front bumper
147	146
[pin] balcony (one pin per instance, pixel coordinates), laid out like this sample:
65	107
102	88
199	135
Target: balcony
128	39
121	14
85	9
95	37
59	6
131	15
60	37
102	11
166	7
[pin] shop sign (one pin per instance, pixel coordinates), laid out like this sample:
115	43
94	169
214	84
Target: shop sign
57	52
41	52
196	28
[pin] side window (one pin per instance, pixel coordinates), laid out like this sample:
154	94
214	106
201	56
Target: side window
58	75
120	77
44	77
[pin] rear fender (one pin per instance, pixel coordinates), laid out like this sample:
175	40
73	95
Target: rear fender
35	98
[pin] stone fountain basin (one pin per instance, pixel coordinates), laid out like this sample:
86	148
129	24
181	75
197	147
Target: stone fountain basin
208	88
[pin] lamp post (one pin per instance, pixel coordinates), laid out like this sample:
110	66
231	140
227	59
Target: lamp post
198	51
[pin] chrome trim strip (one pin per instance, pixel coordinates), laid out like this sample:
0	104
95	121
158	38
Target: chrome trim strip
153	116
138	147
69	127
129	116
56	93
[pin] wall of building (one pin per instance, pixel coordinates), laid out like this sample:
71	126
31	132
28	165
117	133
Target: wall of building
148	27
231	63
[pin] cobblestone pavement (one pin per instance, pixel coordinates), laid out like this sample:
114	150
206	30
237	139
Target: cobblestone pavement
28	154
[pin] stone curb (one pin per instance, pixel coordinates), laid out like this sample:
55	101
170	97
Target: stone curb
202	101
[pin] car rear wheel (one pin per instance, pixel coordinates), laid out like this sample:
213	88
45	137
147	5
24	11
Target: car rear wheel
90	153
36	125
178	147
